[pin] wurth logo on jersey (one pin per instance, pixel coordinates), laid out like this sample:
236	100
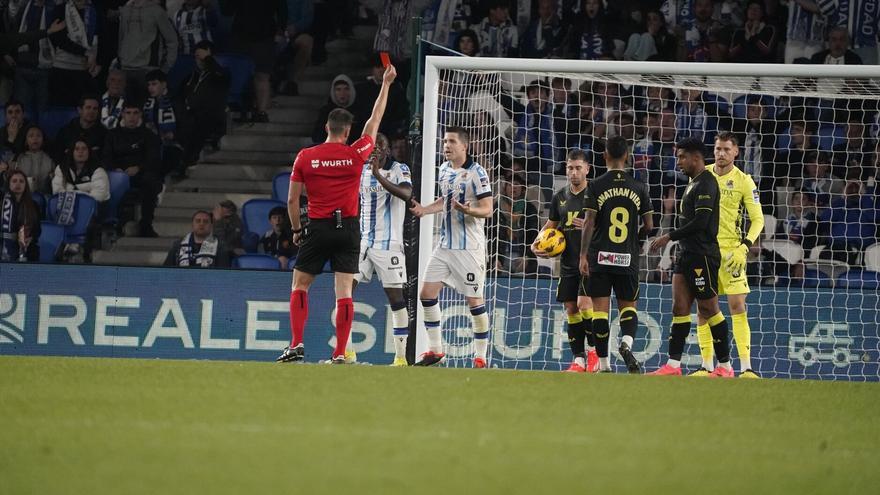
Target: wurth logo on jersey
332	163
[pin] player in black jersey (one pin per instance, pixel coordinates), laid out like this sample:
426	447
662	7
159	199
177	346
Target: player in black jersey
567	215
609	253
695	274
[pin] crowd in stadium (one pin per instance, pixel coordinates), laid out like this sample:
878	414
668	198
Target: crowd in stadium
98	90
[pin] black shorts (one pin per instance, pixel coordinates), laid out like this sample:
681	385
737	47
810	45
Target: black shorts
625	285
700	273
324	242
569	288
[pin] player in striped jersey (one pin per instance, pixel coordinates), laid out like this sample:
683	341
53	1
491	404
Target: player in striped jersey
460	260
738	195
385	188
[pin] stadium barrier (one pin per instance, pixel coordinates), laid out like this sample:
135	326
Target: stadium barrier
242	315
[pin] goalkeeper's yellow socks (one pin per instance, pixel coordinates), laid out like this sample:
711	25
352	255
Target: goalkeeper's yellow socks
704	337
742	335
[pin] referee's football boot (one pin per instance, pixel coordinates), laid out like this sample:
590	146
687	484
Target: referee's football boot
292	354
749	373
430	358
335	360
632	364
701	371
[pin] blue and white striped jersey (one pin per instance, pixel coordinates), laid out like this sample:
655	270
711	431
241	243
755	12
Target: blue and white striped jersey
194	26
381	212
804	25
467	184
860	17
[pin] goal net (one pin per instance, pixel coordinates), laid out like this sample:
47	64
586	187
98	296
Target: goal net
807	135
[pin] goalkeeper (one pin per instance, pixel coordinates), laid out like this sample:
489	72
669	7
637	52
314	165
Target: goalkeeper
567	213
738	193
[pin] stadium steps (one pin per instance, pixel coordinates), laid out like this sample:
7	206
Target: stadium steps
261	143
128	257
234	157
274	129
230	171
221	185
146	243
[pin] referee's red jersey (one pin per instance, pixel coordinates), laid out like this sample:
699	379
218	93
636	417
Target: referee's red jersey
331	173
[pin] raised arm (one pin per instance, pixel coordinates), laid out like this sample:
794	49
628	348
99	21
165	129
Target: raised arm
372	125
402	190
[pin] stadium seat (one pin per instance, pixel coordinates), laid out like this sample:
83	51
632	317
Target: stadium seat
83	212
816	278
857	278
831	135
739	106
792	252
119	185
281	186
769	226
40	200
52	119
255	221
291	263
51	239
872	258
241	70
256	262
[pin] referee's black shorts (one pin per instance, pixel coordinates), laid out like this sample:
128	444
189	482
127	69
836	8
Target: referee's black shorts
569	288
700	272
324	241
625	285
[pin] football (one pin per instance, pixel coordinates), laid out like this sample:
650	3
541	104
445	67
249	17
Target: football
551	241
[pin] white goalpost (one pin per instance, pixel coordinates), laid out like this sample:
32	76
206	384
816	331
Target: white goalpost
808	135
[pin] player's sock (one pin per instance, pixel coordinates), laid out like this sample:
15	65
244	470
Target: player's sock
742	335
400	320
432	324
299	313
344	317
604	363
480	324
704	337
681	327
587	316
720	338
576	334
600	333
629	323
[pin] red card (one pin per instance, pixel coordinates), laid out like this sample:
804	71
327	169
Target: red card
386	60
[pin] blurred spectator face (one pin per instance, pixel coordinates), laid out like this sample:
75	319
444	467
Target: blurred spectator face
80	152
466	45
795	204
690	95
201	225
276	221
853	189
755	112
838	39
576	171
116	84
546	8
626	127
88	112
14	112
17	183
34	139
156	88
798	134
559	90
667	126
399	150
754	12
342	92
655	22
200	55
498	15
703	10
518	165
855	131
517	189
592	7
131	117
537	98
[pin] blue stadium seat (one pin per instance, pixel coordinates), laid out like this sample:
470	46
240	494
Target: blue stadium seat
816	278
255	221
53	119
40	200
83	211
119	185
738	109
256	262
241	70
856	278
830	136
281	186
51	239
291	263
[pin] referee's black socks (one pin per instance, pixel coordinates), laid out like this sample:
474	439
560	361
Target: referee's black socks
720	337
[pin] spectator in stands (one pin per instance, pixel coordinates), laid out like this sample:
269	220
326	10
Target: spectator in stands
804	33
862	22
656	43
544	37
800	143
33	60
194	22
85	127
114	99
12	135
565	110
254	27
757	134
394	33
445	19
817	179
342	95
800	226
591	37
498	35
19	221
135	150
278	241
199	248
468	43
400	149
653	156
298	45
228	226
204	100
81	172
756	41
75	64
700	37
518	224
36	163
838	52
853	158
695	116
396	119
533	136
147	41
160	116
852	221
654	99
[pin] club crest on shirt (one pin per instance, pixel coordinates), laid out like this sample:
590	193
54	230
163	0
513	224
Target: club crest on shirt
730	183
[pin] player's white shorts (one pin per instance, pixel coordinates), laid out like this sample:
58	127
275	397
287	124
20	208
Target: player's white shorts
390	266
463	270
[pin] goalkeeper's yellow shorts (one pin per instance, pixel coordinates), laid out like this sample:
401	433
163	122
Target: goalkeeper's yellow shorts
727	283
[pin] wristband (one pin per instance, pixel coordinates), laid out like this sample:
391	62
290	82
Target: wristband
296	231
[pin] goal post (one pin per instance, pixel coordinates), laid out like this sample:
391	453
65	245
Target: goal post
814	309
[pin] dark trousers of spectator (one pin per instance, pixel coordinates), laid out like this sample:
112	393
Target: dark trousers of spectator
172	155
198	127
148	188
32	89
66	87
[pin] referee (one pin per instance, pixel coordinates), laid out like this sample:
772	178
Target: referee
330	172
696	267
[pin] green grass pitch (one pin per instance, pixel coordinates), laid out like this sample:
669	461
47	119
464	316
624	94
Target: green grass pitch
76	425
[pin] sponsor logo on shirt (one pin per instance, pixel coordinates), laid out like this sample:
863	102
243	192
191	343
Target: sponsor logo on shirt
363	148
755	195
332	163
614	259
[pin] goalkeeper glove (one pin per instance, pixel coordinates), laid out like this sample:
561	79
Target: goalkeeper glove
735	262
